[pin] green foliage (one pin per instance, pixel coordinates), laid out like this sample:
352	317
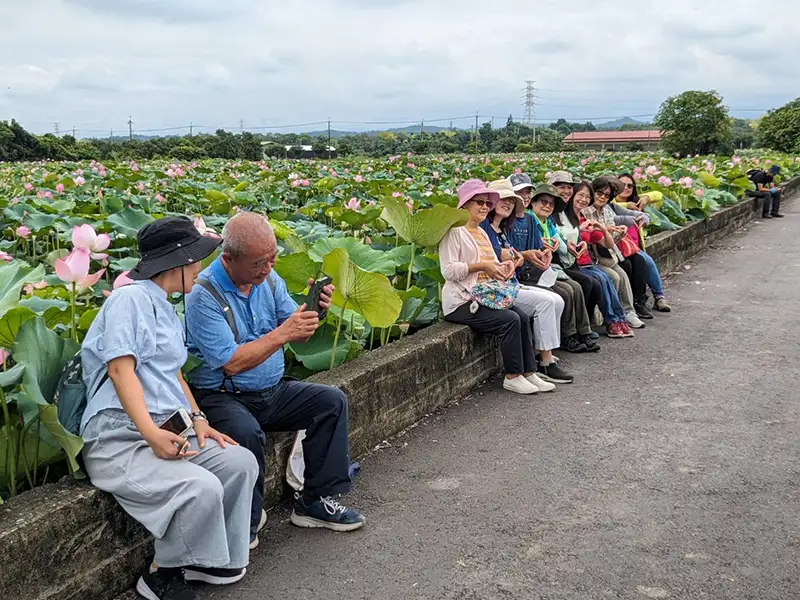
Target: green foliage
694	122
779	129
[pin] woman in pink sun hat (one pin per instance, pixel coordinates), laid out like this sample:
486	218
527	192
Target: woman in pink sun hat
468	259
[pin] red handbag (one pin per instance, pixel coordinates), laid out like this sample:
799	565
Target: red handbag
627	245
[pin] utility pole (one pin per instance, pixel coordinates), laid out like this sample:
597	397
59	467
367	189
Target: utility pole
329	138
492	122
55	128
73	131
530	107
111	135
475	140
241	125
130	128
422	127
191	129
451	126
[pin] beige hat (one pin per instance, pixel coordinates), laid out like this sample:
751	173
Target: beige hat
506	190
560	177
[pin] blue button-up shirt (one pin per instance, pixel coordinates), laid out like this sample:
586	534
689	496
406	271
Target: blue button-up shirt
139	321
211	339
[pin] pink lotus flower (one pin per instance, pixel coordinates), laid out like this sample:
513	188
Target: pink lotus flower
28	187
410	206
22	231
6	256
637	170
295	182
160	198
4	354
140	186
79	172
699	192
204	229
767	162
121	281
15	200
84	237
75	269
353	204
28	289
396	194
517	170
736	159
652	170
40	194
584	161
665	181
48	194
693	168
436	174
358	179
79	180
639	176
686	182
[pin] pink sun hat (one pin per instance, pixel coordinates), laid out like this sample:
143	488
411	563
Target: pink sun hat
475	187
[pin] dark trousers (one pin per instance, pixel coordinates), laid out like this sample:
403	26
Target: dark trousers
574	318
511	325
289	406
771	199
636	268
592	290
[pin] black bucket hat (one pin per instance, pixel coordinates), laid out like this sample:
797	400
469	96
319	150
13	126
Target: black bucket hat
168	243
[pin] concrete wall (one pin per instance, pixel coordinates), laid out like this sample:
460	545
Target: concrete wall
68	541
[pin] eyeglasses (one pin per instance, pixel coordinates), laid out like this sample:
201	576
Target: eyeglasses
547	202
602	194
628	186
487	203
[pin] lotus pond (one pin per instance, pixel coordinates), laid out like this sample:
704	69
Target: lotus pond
69	236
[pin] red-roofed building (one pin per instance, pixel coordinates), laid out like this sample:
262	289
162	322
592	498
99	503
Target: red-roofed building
614	140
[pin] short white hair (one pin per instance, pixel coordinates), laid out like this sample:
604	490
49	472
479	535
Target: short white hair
242	229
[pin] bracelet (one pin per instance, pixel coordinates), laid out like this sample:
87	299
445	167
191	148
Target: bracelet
198	416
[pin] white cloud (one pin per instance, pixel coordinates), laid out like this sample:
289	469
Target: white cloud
92	62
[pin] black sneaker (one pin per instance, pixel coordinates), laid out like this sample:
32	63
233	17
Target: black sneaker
164	584
642	311
766	216
214	576
588	341
554	374
325	512
573	344
778	215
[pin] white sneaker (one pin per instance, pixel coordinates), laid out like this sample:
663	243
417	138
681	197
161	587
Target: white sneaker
634	321
541	384
519	385
261	523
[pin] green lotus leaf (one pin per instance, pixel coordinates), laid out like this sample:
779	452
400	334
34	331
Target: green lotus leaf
370	294
424	228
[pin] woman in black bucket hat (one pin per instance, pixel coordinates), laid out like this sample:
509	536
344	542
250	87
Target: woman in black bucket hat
188	484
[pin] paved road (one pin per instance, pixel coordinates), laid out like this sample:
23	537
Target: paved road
668	470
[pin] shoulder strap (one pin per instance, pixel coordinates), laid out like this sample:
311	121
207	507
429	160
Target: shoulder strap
226	309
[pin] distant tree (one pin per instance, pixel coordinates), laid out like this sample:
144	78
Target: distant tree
742	134
522	147
694	122
779	129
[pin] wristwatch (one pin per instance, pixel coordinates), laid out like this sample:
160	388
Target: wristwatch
198	416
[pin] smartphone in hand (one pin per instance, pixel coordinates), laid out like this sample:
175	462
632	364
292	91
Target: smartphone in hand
312	299
180	424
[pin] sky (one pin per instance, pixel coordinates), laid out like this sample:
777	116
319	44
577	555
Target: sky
92	64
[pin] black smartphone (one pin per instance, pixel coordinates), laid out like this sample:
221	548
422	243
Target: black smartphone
312	299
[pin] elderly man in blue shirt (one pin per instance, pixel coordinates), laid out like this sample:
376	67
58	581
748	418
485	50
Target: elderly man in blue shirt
240	385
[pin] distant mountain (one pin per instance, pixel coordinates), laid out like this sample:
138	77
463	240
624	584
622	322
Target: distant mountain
337	133
619	123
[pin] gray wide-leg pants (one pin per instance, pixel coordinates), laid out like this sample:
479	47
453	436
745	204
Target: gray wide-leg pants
198	508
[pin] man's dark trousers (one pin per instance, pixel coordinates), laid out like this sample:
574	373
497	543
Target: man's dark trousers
771	199
289	406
